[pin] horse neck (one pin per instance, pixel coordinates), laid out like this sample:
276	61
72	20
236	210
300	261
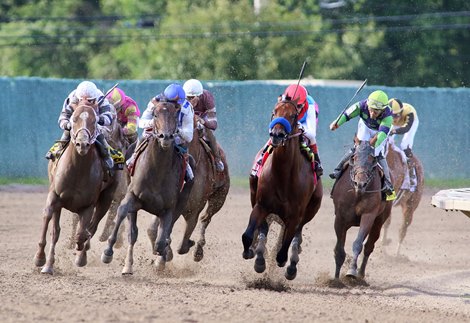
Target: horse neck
285	157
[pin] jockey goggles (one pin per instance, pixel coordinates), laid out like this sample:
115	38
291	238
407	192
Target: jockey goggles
376	105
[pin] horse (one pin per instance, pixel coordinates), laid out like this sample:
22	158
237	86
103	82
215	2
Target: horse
210	187
154	187
358	201
287	187
408	199
115	138
78	183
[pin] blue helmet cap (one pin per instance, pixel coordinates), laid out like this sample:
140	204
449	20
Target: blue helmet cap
175	92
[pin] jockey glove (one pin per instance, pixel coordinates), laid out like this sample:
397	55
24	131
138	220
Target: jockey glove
67	125
101	121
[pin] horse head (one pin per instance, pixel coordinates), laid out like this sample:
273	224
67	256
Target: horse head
283	122
165	121
84	129
363	165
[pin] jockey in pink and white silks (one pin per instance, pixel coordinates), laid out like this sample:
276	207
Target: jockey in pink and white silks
173	93
86	93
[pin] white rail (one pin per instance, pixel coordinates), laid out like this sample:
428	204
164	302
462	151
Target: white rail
453	200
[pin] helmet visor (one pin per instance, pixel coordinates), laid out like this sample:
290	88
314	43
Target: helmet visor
375	105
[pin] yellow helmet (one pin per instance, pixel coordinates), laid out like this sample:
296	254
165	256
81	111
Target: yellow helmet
396	105
377	100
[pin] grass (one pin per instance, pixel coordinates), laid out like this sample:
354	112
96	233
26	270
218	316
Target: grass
242	182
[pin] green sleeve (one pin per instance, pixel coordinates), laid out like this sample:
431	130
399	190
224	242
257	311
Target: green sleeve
384	129
351	112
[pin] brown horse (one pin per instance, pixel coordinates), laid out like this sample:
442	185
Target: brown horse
210	187
76	184
287	187
408	199
155	186
358	201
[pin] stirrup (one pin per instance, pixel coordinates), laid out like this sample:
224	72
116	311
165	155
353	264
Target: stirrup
390	196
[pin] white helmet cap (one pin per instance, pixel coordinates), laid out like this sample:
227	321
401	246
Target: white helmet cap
192	87
87	89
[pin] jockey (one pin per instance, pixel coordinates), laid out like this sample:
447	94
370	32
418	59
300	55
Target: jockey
374	126
204	106
405	122
86	93
128	113
173	93
307	119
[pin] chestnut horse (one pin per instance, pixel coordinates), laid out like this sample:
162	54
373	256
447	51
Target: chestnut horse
408	199
210	187
76	184
358	201
287	187
155	186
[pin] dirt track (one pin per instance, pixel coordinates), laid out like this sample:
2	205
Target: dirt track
430	282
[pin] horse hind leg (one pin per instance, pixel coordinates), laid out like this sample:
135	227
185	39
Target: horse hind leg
40	256
163	239
83	236
74	230
191	222
408	211
385	240
340	254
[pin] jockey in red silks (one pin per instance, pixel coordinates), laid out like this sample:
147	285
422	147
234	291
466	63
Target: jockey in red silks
307	118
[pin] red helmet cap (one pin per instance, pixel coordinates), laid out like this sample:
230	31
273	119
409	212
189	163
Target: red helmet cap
299	91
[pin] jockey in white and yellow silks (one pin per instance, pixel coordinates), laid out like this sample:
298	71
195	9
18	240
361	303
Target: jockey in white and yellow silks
375	120
405	122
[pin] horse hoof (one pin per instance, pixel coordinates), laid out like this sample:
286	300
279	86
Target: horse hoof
198	253
186	247
106	257
260	265
246	241
47	270
291	272
127	271
39	262
352	273
248	254
281	261
81	260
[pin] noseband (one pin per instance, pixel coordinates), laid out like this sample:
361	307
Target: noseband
285	123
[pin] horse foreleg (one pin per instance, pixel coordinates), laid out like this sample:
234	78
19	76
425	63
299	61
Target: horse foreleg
291	271
257	216
83	236
340	254
364	229
163	236
122	211
49	266
281	257
133	232
370	244
260	262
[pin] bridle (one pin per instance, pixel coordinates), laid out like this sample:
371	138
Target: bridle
288	126
92	136
369	171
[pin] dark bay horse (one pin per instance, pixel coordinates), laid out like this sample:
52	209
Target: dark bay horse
287	187
76	184
155	187
358	201
210	188
407	199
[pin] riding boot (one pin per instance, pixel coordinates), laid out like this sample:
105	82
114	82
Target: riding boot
339	168
411	168
258	162
58	145
316	157
104	151
388	186
219	165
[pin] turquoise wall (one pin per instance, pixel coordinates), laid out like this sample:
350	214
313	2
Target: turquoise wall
30	108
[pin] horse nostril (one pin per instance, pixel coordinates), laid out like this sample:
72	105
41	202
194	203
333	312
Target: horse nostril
161	136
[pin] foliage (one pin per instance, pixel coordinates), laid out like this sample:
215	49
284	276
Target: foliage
409	43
